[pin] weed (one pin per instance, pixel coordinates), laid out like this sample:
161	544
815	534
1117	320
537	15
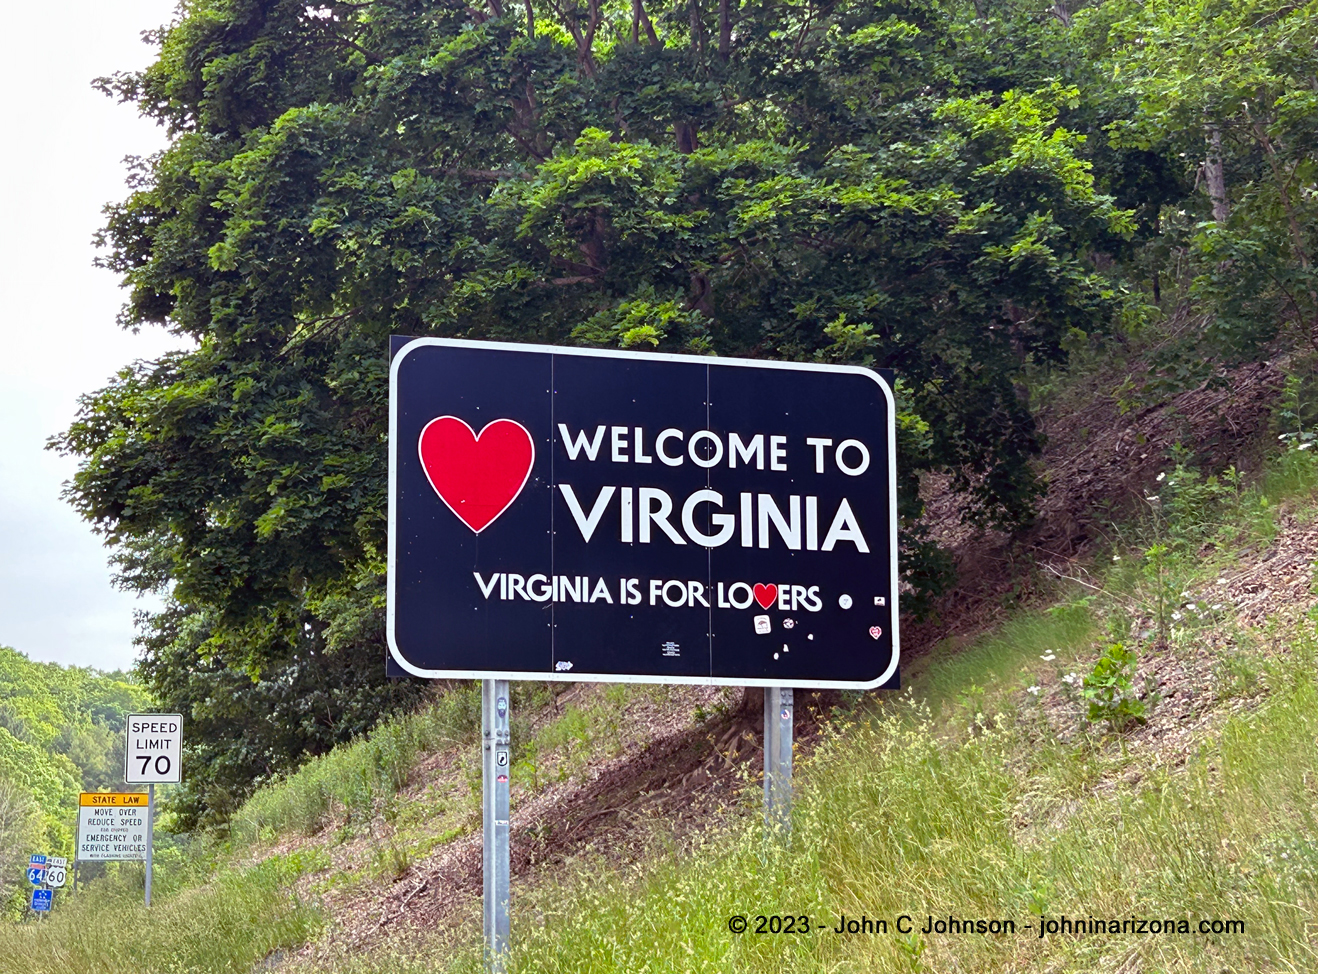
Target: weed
391	859
1236	675
912	946
971	700
1109	690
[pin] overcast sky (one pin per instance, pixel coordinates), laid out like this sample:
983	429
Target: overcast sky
62	161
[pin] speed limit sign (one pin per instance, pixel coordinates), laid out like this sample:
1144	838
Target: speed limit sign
154	749
56	871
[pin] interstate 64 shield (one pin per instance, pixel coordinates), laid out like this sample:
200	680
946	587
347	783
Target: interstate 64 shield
577	514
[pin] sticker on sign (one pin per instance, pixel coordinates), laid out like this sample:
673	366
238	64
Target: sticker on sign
154	749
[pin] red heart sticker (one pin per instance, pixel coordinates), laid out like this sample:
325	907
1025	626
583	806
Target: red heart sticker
875	632
478	475
765	594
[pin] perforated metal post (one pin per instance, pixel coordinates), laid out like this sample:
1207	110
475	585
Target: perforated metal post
495	761
150	835
778	723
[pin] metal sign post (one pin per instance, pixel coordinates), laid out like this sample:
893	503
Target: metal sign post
495	760
150	836
778	721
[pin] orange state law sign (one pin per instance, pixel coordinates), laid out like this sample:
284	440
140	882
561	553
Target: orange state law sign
111	826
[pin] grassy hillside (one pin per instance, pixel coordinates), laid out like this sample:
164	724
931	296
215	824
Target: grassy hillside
1042	771
1137	745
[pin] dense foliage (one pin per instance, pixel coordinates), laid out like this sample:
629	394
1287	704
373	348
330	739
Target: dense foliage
61	732
956	192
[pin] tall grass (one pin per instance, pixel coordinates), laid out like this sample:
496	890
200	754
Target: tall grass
951	674
224	926
352	782
894	819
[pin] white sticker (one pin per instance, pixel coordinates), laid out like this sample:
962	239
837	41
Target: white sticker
762	625
844	601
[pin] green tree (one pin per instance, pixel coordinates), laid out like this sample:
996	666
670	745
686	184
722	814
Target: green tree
1229	90
874	183
61	732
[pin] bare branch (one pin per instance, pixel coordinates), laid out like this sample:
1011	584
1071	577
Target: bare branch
641	18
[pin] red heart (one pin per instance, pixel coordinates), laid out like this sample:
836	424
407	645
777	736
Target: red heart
765	594
875	632
477	475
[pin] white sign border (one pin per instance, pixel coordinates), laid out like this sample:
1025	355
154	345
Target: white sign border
394	651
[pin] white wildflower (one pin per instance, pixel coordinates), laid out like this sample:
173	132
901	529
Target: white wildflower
1035	690
1048	657
1162	477
1176	617
1070	679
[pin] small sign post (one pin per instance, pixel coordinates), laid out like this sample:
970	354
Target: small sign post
778	727
496	742
41	899
153	754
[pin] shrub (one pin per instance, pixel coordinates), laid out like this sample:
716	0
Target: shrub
1109	690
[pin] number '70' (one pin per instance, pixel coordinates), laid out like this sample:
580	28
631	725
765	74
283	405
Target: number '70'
162	763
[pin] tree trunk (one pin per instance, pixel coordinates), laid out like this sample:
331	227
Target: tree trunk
1215	175
641	19
687	139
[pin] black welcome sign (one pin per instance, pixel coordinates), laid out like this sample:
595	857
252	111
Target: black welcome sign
577	514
